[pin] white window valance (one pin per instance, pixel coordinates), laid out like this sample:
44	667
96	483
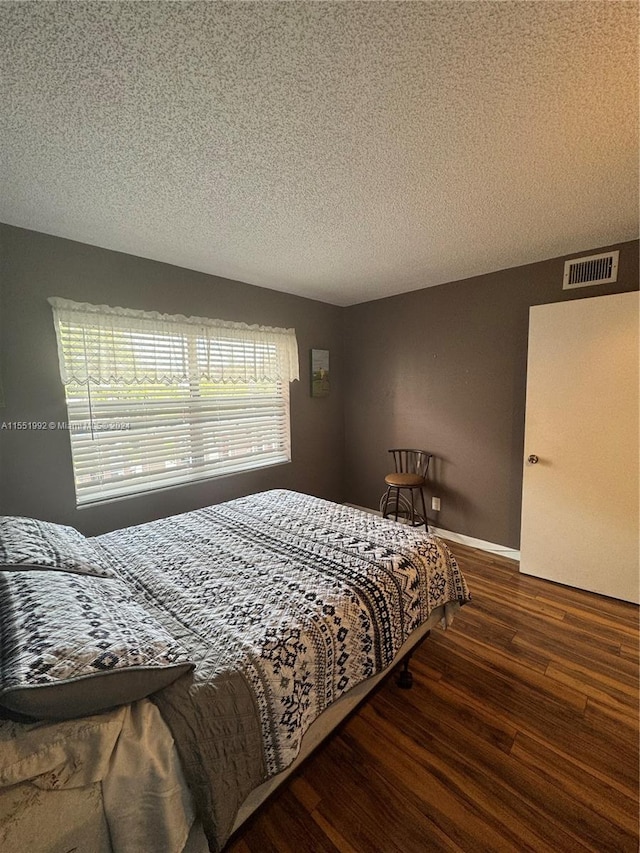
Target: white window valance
100	345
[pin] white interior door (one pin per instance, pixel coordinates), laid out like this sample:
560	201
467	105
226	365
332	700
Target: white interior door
580	510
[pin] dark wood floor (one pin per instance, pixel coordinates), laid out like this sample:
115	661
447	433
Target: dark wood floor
520	733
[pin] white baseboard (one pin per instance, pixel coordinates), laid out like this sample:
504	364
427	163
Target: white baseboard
490	547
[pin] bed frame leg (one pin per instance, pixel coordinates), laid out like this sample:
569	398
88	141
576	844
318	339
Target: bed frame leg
405	678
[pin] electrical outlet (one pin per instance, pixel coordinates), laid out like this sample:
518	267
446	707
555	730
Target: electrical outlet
435	504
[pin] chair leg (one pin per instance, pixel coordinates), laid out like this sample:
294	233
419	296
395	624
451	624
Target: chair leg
424	510
386	502
413	510
397	501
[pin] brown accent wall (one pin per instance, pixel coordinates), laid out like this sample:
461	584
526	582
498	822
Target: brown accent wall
35	466
444	369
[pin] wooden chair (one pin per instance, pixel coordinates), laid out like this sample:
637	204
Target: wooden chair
411	471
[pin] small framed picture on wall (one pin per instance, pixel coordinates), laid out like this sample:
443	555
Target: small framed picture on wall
320	373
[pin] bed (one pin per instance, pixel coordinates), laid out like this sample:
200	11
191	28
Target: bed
160	681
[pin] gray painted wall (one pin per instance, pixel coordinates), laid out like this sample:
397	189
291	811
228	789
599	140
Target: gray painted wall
35	466
444	369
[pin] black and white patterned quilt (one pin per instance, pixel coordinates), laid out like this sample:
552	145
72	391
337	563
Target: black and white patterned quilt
285	602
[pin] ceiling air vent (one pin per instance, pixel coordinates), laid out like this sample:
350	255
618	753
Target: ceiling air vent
596	269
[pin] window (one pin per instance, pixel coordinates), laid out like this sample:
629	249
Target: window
155	400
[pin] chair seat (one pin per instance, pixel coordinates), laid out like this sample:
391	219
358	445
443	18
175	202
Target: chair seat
406	481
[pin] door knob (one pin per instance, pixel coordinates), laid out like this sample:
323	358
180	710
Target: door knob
532	459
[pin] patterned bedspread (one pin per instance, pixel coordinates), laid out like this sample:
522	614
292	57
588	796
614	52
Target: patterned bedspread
284	601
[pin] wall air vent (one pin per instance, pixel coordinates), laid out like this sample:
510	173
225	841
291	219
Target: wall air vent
596	269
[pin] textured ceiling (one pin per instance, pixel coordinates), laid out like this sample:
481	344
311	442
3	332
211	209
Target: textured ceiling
342	151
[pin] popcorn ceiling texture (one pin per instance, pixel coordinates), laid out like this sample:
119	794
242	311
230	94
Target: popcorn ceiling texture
342	151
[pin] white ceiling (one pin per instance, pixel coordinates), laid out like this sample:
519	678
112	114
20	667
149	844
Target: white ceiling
341	151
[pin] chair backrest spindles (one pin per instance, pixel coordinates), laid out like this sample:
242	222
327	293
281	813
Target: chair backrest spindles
411	461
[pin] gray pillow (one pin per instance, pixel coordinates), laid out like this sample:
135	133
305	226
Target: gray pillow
27	543
74	644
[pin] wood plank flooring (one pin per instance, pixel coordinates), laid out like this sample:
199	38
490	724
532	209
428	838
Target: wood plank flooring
520	734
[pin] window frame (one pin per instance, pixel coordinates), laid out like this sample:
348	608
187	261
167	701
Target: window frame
252	365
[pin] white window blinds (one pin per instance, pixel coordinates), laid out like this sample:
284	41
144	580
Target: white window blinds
156	400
